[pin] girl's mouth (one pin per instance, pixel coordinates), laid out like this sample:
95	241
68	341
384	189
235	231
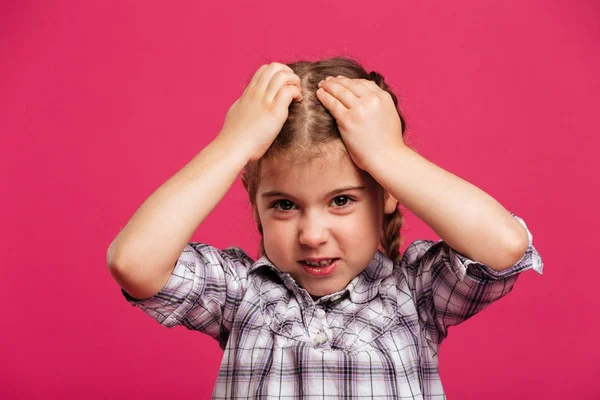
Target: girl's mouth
320	268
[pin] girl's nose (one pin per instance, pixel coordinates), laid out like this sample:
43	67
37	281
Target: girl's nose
313	232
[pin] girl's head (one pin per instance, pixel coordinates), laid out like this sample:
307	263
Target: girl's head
310	200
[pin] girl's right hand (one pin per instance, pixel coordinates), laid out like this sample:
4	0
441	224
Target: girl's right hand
255	119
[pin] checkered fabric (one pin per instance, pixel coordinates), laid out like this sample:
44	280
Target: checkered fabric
378	338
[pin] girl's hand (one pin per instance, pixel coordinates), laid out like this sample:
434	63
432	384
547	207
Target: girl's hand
365	115
255	119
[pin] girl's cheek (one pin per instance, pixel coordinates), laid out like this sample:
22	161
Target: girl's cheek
278	227
360	224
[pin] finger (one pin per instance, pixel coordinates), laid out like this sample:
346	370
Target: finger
257	75
354	85
286	94
340	92
280	79
335	107
371	85
268	72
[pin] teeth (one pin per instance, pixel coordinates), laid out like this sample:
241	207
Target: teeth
321	263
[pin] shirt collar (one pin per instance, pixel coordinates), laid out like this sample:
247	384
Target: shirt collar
361	289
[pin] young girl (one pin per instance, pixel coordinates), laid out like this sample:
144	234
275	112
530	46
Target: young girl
331	309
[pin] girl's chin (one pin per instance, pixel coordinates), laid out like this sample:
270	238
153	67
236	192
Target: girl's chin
324	290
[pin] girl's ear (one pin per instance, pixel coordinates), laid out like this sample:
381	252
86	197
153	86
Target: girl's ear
390	204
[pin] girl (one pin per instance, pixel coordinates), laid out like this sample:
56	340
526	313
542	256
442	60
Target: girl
331	308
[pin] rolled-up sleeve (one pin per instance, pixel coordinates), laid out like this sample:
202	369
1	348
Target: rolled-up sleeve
203	292
449	288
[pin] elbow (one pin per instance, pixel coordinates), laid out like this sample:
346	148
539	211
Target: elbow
140	282
114	258
117	269
110	256
513	253
520	243
519	249
137	285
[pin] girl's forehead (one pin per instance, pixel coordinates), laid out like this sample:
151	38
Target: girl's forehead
325	156
321	173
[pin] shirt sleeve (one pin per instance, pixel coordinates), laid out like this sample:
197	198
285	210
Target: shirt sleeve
449	288
203	292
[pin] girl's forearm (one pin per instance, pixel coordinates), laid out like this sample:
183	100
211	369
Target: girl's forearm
464	216
146	249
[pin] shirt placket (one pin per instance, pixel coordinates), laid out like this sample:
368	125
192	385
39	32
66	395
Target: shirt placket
318	328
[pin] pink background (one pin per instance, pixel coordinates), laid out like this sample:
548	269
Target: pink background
101	103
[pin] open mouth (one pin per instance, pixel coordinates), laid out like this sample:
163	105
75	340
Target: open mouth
319	264
321	268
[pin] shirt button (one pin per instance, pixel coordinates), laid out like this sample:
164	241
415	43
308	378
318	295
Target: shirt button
320	313
336	297
321	338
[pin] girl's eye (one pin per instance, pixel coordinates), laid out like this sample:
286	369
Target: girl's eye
338	202
342	201
283	205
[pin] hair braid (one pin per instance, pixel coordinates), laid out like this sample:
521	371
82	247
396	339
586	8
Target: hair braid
392	223
392	239
261	246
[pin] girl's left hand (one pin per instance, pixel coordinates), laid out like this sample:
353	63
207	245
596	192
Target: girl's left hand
365	115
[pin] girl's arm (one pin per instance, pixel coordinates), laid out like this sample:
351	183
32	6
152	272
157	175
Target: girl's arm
143	255
464	216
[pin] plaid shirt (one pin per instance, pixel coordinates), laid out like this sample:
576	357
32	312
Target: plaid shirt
377	338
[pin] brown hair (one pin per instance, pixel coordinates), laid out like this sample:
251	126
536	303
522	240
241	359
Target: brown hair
310	125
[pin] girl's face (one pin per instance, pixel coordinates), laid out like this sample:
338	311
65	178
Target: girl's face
326	209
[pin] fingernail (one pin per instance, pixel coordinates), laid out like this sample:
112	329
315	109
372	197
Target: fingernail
329	78
320	83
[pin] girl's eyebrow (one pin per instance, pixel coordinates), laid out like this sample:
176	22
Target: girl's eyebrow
274	193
